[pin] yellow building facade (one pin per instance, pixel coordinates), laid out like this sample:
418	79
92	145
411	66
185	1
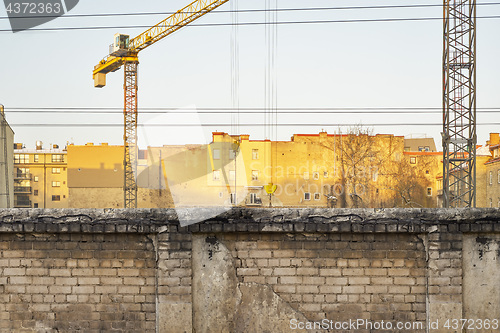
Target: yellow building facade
40	177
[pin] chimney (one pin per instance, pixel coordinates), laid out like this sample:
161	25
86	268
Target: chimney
494	139
39	145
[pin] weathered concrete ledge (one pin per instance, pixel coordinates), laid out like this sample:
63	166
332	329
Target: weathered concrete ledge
251	220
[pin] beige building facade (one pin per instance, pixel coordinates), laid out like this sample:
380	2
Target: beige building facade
40	177
6	162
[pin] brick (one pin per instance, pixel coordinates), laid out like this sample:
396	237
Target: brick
353	289
291	280
305	289
247	271
330	289
284	271
330	272
60	289
359	280
14	271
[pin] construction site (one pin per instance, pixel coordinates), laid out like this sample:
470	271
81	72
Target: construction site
208	217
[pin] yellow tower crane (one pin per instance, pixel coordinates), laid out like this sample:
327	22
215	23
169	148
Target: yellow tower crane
124	52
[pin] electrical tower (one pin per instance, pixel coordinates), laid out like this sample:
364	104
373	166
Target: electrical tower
459	104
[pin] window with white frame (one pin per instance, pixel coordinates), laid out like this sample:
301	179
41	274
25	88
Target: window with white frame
56	170
253	198
315	175
307	196
56	184
216	154
255	174
429	191
498	176
232	154
216	175
306	175
325	174
317	196
57	158
413	160
491	177
233	198
21	158
255	154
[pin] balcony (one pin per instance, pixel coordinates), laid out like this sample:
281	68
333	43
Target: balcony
22	176
22	203
254	202
22	189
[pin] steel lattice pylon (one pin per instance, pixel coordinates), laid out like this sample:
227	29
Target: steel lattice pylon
130	134
459	104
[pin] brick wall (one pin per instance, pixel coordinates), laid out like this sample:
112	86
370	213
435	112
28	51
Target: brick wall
342	276
70	282
245	270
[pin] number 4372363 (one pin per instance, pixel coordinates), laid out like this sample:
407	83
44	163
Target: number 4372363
33	8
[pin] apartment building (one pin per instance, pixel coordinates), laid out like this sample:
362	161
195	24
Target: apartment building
6	162
40	177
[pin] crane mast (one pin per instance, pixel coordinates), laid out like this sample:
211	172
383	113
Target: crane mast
124	52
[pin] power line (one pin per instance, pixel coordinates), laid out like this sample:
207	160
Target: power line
229	125
301	111
248	11
415	19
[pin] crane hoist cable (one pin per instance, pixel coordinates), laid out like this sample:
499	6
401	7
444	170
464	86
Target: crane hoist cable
124	52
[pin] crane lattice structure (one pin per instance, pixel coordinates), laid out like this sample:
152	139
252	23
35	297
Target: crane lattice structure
124	52
459	104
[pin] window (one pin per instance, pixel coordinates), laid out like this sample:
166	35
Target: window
56	198
429	191
317	196
56	170
420	148
325	174
255	154
21	158
315	175
306	175
498	203
413	160
221	195
233	198
254	199
216	154
35	179
491	203
498	176
255	175
491	177
56	184
57	158
375	176
232	154
35	193
232	175
426	172
216	175
307	196
35	158
35	205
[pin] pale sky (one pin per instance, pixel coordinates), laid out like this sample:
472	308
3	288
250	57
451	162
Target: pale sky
335	65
